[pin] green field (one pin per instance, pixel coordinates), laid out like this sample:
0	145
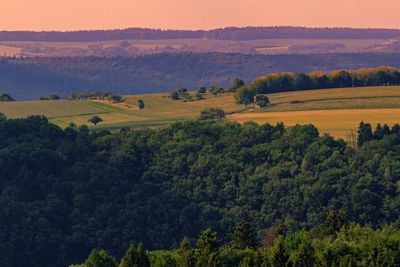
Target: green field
159	110
334	111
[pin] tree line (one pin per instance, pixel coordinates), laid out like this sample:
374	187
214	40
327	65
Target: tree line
66	191
229	33
287	81
333	243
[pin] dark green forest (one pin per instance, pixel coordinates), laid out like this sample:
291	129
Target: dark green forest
64	192
30	78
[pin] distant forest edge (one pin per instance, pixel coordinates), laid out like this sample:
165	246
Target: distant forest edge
230	33
30	78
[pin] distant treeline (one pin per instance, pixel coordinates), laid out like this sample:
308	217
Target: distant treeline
230	33
30	78
286	81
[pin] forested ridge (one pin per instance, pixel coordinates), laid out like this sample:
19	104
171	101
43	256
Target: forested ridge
287	81
65	192
229	33
30	78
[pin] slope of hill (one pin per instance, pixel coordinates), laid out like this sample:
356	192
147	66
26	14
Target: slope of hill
29	78
333	111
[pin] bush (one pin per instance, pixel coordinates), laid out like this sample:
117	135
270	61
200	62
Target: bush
212	114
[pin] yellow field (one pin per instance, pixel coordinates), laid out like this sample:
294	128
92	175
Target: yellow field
345	98
337	123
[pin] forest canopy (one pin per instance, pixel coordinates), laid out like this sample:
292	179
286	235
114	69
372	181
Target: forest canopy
67	191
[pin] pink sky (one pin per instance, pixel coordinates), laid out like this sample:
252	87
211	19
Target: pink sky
195	14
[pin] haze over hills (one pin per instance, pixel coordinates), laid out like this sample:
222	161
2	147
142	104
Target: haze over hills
248	40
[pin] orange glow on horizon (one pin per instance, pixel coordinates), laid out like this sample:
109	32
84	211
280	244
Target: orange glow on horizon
196	14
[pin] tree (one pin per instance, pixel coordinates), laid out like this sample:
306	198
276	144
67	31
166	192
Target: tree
199	96
243	236
183	93
236	84
134	258
303	81
95	120
202	90
216	90
6	98
340	78
98	258
186	255
73	96
208	241
142	257
207	246
261	100
2	117
141	104
129	258
174	95
364	133
115	98
245	95
212	114
334	222
54	97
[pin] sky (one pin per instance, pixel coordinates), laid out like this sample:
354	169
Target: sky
195	14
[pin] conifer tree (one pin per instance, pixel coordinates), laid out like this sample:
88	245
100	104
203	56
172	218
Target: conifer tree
243	236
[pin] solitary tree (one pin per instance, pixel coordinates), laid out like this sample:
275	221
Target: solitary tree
212	114
174	95
141	104
95	120
202	90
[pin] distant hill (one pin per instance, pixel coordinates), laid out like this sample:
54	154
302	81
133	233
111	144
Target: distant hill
230	33
29	78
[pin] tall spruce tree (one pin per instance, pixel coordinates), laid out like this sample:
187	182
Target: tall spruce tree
243	236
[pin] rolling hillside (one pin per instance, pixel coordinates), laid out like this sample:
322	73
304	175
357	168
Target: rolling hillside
30	78
333	111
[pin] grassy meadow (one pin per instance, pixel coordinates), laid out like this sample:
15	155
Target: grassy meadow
333	111
159	110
